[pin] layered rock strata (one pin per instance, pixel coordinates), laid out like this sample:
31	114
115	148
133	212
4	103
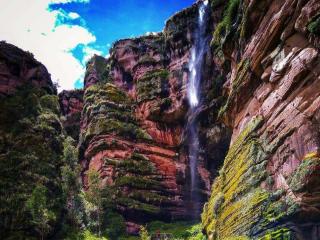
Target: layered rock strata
268	187
18	67
134	118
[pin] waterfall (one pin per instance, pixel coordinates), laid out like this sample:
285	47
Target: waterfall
195	66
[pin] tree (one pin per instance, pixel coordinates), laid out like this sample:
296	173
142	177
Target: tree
94	195
41	215
144	235
71	184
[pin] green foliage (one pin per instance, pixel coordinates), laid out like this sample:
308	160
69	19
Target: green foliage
101	67
196	233
178	230
144	235
71	185
94	195
38	207
115	225
128	130
152	84
109	91
82	235
303	175
242	72
87	235
224	27
236	193
278	234
314	25
30	156
50	103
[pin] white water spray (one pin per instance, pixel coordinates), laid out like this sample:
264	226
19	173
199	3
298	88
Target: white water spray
195	67
196	60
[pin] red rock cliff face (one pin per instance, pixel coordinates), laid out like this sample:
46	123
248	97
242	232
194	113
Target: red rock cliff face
18	68
269	185
133	123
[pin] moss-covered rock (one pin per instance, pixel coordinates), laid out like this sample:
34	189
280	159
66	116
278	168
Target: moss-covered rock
314	25
152	85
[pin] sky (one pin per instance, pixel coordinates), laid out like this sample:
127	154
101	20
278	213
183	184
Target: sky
64	34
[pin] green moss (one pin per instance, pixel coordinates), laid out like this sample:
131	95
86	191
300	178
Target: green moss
165	104
224	27
278	234
274	212
109	91
235	205
162	73
152	84
216	3
148	197
137	205
147	60
302	176
127	130
132	166
242	71
138	182
101	67
314	25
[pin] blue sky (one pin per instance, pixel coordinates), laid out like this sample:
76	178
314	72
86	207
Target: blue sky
64	34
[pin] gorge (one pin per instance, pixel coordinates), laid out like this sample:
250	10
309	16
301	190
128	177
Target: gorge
213	120
200	46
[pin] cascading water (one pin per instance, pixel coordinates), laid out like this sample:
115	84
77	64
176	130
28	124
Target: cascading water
195	66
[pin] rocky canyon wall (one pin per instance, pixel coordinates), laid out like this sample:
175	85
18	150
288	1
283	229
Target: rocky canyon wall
134	119
257	123
268	187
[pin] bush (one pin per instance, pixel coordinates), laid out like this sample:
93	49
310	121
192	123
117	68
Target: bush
144	235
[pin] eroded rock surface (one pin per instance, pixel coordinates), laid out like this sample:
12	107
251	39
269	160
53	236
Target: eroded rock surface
134	119
18	67
268	187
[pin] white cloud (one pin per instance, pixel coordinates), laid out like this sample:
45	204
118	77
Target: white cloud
73	15
88	53
68	1
33	29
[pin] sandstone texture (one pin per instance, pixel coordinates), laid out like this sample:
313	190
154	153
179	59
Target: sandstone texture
134	120
18	68
258	124
268	187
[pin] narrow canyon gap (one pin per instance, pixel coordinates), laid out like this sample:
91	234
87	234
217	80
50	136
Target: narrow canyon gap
198	50
228	110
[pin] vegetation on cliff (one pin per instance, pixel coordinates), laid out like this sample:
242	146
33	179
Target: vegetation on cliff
30	171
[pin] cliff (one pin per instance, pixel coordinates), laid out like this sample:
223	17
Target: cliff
257	122
134	119
71	105
31	146
268	185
